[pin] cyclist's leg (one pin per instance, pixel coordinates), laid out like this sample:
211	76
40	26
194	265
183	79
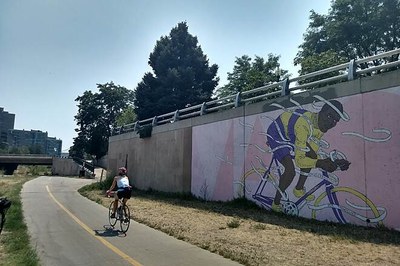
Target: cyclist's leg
302	178
124	200
116	196
299	190
126	196
286	178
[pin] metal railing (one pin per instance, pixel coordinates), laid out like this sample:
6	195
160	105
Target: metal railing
342	72
85	165
26	155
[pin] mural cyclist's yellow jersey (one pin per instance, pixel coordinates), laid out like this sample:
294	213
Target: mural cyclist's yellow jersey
290	133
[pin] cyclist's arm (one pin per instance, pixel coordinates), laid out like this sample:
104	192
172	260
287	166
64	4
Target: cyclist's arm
114	183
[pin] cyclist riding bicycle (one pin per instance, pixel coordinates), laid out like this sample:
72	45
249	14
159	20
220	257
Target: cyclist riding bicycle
124	189
294	136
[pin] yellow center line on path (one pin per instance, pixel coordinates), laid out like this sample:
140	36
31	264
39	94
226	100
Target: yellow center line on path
90	231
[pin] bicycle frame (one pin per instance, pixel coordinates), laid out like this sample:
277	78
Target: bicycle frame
267	201
120	201
122	213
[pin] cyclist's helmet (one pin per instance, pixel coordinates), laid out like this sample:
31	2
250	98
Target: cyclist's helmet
122	170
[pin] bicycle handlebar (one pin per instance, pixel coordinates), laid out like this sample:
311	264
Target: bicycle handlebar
112	192
335	155
109	193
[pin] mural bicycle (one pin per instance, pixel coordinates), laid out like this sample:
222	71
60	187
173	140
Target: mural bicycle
332	160
369	212
295	141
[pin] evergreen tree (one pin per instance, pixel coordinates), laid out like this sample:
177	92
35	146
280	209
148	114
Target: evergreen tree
181	75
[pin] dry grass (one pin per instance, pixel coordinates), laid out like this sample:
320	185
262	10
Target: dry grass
252	236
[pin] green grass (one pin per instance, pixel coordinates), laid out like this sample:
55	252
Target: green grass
15	238
235	223
37	170
259	226
104	185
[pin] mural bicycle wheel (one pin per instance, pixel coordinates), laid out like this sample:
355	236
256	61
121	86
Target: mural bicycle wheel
348	206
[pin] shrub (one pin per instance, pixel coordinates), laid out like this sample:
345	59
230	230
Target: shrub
233	224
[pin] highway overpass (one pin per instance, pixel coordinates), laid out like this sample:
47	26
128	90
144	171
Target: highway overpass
10	162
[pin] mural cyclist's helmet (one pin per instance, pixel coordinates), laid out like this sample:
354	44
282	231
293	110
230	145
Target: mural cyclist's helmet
122	171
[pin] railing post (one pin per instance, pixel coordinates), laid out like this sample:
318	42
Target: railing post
136	126
203	109
237	99
154	122
285	87
176	116
352	70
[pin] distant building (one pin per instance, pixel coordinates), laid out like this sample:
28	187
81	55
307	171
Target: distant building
36	140
6	123
54	146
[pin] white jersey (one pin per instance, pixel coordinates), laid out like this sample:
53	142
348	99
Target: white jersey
122	181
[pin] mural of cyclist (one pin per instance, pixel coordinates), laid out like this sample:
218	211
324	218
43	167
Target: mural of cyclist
294	140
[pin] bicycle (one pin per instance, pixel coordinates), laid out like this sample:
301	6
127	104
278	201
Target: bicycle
5	204
343	210
121	215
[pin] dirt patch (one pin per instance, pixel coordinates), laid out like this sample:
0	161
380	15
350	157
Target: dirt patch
253	236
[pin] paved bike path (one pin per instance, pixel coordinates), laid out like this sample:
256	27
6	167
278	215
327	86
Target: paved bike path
68	229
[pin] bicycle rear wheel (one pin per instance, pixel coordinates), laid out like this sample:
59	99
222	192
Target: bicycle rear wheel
125	220
112	221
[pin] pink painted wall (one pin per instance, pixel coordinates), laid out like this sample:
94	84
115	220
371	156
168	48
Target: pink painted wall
226	153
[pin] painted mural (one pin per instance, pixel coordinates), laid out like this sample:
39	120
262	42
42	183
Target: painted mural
335	160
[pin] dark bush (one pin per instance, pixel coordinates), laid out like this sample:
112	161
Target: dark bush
145	131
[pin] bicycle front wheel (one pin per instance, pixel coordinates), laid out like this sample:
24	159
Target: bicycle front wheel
125	220
112	221
349	206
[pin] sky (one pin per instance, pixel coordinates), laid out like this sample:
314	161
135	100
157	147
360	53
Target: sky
52	51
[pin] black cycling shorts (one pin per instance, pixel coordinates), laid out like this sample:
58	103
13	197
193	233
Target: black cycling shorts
124	193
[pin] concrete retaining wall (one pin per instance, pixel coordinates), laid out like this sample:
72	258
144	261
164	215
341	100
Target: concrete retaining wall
64	167
161	162
222	156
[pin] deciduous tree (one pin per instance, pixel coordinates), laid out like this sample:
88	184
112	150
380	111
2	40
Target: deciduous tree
350	30
127	116
97	117
249	74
